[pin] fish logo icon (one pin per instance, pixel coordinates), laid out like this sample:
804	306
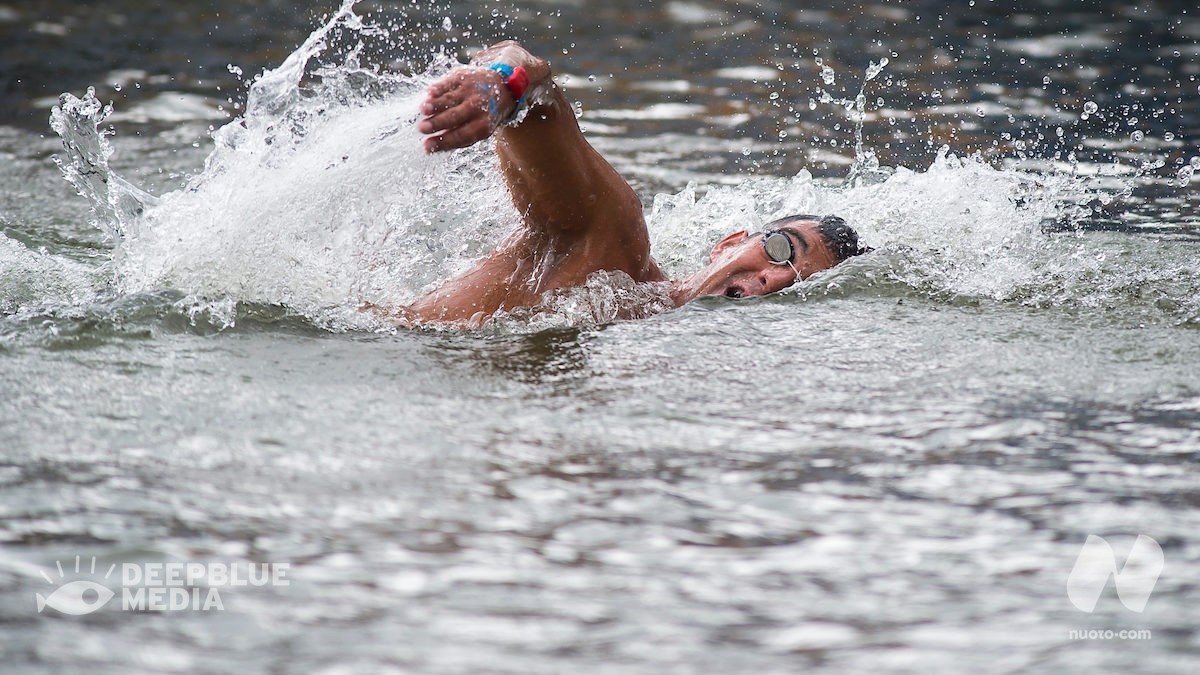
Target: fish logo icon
78	597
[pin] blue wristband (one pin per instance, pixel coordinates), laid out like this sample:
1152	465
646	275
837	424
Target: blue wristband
502	68
507	71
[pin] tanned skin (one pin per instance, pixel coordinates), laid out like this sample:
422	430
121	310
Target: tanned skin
578	215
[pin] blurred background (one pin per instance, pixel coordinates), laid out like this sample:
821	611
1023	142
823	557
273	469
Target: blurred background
1011	79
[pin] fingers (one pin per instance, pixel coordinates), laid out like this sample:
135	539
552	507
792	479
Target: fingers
457	87
461	136
443	98
455	79
461	109
454	117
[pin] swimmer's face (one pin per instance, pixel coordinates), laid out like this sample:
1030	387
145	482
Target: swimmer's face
740	266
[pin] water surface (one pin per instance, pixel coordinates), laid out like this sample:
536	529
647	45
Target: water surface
892	466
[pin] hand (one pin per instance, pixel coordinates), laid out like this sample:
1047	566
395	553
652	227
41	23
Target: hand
464	107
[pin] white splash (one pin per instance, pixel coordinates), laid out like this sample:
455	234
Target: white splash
961	228
318	198
30	278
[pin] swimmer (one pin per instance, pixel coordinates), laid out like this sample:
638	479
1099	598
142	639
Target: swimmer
578	215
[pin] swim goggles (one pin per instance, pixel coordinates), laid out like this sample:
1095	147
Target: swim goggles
779	247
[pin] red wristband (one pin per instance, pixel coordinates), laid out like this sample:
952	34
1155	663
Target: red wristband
516	79
518	83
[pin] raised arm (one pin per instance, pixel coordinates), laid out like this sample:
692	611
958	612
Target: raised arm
559	183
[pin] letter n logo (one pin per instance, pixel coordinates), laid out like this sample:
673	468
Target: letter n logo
1097	562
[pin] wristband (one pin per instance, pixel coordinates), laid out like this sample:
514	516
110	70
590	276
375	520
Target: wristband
517	81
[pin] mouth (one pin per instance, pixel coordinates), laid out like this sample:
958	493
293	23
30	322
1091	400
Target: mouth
734	292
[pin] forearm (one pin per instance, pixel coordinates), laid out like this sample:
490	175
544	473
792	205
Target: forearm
514	55
559	183
557	180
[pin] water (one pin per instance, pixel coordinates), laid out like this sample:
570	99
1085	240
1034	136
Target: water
893	465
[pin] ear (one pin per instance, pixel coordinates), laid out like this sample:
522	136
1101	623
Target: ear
731	240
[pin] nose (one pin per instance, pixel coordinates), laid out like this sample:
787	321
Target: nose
777	278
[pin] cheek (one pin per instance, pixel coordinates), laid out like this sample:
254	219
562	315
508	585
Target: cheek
780	278
810	265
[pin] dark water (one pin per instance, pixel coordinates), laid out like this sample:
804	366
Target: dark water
893	466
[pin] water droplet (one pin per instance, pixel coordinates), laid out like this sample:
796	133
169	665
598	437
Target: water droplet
1137	136
1059	132
874	69
1168	137
827	74
980	112
1046	80
782	135
447	24
1195	161
745	151
117	87
1090	107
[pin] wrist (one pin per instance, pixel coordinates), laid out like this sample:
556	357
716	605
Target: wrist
514	55
516	80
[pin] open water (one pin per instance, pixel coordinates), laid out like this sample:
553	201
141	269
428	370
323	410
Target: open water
892	466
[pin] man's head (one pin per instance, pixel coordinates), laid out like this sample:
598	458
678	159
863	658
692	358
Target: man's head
787	250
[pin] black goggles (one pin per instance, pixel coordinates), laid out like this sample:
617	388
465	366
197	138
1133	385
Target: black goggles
779	247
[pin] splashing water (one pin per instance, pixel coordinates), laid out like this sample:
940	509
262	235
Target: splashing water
875	68
34	278
960	229
866	167
320	198
115	202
